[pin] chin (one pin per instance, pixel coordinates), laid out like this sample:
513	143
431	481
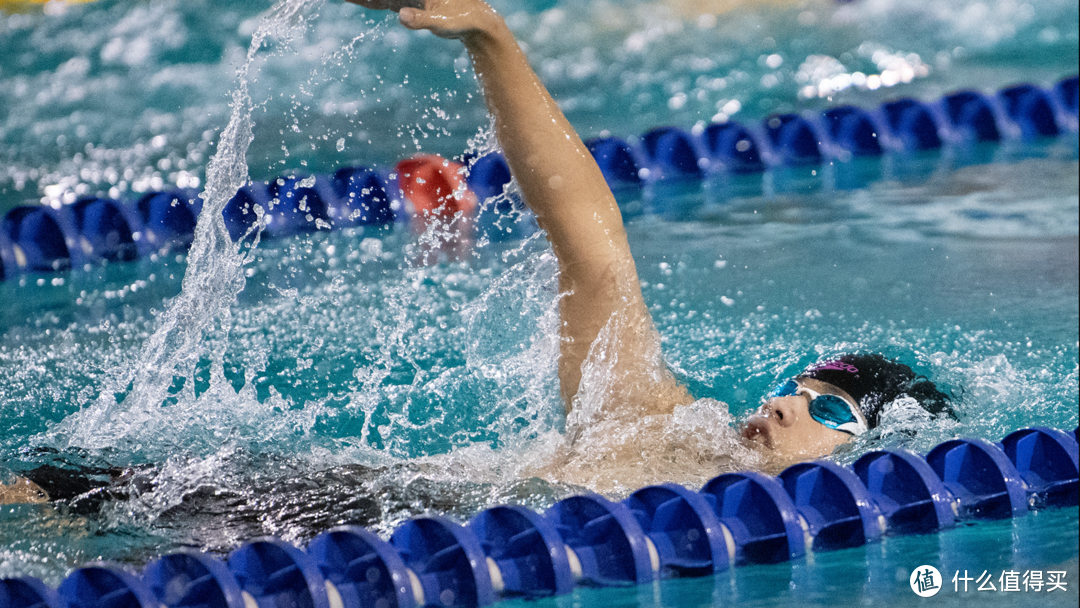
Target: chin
756	434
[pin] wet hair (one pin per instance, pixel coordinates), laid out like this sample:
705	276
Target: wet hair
874	381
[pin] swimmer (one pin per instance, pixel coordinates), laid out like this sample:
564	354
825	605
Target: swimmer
604	319
607	333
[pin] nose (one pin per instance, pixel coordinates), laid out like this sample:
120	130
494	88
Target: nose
784	408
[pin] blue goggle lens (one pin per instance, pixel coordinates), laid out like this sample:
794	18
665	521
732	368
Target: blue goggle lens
785	389
832	411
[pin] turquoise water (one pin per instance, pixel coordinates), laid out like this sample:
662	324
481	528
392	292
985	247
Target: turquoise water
337	377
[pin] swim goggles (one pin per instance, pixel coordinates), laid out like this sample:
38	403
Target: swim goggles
833	411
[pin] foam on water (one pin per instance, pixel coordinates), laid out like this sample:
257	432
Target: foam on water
214	277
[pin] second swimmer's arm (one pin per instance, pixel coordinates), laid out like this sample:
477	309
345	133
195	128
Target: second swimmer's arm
565	188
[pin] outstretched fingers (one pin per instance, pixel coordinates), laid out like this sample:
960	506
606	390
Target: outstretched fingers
416	19
451	18
446	18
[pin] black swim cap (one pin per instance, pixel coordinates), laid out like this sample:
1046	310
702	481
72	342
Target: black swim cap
874	381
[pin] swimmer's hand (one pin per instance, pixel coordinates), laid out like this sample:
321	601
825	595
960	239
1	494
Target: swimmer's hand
444	18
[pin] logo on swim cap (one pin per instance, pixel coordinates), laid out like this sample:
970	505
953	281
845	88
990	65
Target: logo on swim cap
839	366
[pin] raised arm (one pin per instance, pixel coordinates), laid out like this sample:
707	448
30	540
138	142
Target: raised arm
565	189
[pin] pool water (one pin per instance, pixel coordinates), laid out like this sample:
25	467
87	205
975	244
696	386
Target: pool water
352	376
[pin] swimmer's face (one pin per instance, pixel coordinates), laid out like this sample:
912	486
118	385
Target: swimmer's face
785	431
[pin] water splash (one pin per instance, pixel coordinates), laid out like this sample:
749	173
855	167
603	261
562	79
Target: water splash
214	277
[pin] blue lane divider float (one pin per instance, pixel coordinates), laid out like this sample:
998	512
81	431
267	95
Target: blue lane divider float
733	148
104	229
759	515
683	529
971	117
105	586
365	569
606	540
448	561
37	240
1066	91
618	162
1032	109
278	575
40	239
28	592
307	201
364	199
911	123
283	210
168	218
659	531
981	479
794	140
189	579
502	215
835	505
527	552
1047	461
906	490
854	130
674	153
